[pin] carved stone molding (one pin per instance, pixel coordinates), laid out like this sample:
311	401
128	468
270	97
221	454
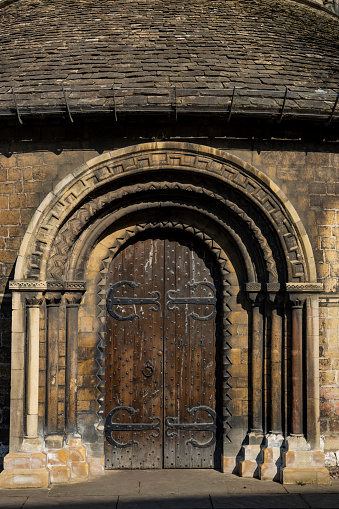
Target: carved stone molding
304	287
69	232
29	285
171	157
53	298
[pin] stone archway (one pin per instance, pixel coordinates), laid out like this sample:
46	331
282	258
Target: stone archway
59	284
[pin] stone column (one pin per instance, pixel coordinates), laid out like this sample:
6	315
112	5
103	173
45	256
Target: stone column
53	307
297	366
271	449
72	307
33	302
299	462
249	466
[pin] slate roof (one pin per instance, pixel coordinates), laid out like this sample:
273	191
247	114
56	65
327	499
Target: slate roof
172	55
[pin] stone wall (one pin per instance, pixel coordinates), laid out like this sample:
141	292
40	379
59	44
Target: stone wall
310	179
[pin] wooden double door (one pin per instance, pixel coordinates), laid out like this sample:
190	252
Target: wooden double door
161	369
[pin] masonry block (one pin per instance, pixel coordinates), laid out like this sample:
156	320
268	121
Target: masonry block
24	478
56	457
25	461
296	475
76	453
96	466
229	465
78	470
247	468
60	474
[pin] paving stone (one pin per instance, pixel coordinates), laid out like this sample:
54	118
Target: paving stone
259	501
175	502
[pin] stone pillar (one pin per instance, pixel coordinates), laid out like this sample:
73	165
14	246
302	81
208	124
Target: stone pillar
271	451
33	302
25	465
249	465
297	367
299	462
53	307
72	307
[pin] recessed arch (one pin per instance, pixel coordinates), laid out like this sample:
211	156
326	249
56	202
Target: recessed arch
242	218
200	163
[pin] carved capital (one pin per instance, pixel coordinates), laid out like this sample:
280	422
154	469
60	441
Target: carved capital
53	298
34	299
254	293
73	298
297	300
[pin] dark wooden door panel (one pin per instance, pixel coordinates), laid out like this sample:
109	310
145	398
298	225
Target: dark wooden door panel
189	380
160	367
134	368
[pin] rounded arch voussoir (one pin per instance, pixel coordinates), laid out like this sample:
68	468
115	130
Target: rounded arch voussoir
73	198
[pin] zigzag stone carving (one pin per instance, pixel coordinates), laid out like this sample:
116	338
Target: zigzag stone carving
82	216
173	157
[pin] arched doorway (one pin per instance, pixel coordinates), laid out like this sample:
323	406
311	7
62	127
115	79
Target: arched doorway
163	378
269	308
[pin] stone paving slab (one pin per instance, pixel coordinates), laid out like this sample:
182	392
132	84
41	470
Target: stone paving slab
173	489
251	501
169	502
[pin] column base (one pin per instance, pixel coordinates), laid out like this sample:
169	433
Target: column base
25	470
23	478
269	469
68	463
301	465
229	465
248	466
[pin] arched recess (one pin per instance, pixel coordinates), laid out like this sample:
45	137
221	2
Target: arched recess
241	216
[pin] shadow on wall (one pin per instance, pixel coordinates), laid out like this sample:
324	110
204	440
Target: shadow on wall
5	373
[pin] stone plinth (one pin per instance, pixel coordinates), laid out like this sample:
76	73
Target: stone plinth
269	468
300	464
25	469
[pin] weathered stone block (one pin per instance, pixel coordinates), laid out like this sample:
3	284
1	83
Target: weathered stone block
60	474
56	457
318	459
96	466
38	478
38	460
229	465
16	461
79	470
268	472
248	468
292	475
76	453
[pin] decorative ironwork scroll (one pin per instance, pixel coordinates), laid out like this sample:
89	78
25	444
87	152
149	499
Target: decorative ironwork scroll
210	300
111	426
112	301
172	424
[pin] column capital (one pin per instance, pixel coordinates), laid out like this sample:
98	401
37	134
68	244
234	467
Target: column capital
34	299
53	298
255	293
73	298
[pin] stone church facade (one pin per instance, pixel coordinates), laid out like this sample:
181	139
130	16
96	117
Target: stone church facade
169	260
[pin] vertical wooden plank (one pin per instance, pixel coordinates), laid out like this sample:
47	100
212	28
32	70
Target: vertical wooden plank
133	365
